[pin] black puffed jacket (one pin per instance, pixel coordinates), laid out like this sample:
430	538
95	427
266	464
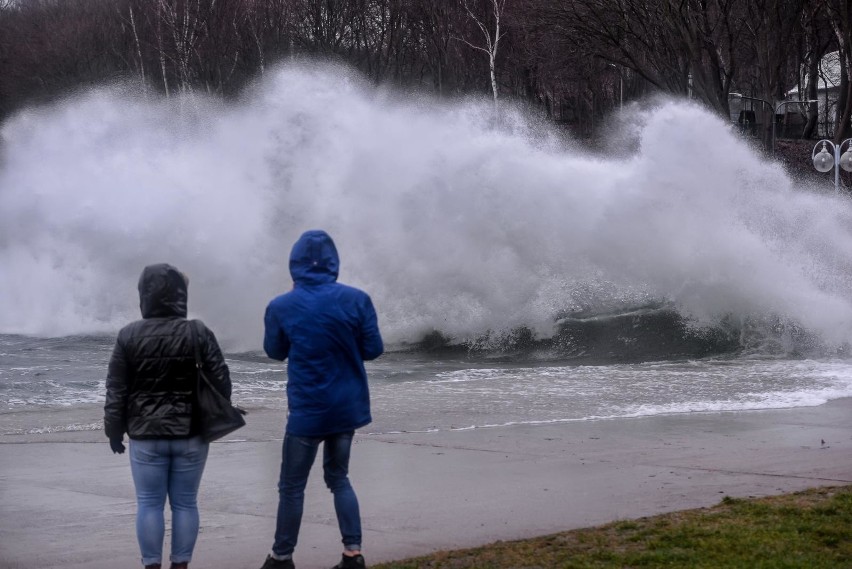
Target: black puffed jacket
150	387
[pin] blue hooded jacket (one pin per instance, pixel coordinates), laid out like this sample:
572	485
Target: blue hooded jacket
327	330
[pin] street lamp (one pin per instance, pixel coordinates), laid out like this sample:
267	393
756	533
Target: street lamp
781	104
744	98
824	160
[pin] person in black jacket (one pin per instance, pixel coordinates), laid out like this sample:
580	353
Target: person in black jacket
150	390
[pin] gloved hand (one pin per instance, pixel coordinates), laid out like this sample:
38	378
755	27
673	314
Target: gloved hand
117	445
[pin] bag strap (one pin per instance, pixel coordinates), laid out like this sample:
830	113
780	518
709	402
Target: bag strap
194	334
203	376
193	324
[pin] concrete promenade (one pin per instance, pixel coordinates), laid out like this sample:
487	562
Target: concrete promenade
67	502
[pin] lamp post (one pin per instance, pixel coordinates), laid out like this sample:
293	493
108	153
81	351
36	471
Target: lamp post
824	160
781	104
744	98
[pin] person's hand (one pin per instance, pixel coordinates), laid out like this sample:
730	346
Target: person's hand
117	445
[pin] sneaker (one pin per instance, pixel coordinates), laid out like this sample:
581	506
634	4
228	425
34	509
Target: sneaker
351	562
272	563
183	565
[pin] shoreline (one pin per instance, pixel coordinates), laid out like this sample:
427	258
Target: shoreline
67	501
17	425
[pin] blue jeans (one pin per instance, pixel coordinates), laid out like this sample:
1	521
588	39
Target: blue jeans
173	468
298	454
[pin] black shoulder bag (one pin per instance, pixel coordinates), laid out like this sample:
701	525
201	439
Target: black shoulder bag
217	417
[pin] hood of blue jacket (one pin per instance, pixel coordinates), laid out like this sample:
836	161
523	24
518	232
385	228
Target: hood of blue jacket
314	259
162	291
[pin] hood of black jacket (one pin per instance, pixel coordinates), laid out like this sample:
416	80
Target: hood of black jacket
162	291
314	259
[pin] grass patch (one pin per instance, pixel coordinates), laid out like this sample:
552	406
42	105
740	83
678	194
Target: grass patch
810	529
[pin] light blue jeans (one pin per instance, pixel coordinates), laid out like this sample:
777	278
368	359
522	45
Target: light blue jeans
173	468
298	454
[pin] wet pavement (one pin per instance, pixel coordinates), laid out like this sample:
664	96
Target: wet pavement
67	501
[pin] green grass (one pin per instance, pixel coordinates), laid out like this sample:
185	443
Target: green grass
805	530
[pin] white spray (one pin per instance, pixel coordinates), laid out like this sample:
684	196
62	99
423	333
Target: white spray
449	219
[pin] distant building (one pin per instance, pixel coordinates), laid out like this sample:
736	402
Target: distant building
748	112
828	91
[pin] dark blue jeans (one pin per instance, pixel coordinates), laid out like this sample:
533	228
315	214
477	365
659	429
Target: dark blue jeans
298	454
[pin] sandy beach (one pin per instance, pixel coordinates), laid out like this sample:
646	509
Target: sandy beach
66	501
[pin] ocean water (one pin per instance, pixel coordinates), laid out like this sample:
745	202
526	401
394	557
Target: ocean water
519	276
46	385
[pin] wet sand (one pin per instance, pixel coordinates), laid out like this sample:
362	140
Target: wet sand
67	501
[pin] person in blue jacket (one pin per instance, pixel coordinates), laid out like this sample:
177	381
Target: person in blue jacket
326	330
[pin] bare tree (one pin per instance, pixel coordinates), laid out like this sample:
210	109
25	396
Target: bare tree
815	44
183	20
258	18
771	32
431	21
137	42
679	46
840	16
489	27
570	58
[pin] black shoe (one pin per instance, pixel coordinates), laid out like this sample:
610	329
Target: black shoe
351	562
272	563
